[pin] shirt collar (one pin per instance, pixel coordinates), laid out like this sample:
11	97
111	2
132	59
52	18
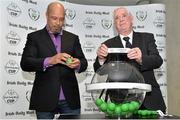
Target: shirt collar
130	35
60	33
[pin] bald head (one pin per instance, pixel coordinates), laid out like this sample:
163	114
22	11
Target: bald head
55	15
54	5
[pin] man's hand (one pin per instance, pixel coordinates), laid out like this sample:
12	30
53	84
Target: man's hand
102	51
64	58
135	53
74	64
59	58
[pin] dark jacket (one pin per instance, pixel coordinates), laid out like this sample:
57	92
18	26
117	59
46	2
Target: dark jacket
150	61
46	88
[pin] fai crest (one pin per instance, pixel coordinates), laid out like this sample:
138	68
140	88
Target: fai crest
33	14
141	15
70	14
106	24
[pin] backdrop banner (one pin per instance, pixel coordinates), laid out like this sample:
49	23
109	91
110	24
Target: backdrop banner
93	24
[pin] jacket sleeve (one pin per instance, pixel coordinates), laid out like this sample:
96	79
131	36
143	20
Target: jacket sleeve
29	60
150	55
80	55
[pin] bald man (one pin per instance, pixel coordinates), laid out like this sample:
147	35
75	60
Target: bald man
47	52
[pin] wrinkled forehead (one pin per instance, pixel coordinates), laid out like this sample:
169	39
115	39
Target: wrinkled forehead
120	11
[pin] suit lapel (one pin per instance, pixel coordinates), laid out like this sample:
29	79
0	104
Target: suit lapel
66	41
63	41
136	40
47	40
117	42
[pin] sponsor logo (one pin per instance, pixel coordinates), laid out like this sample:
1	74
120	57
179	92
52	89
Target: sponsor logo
161	48
141	15
165	60
14	10
33	14
32	73
91	60
69	25
159	73
159	22
33	2
161	35
106	24
13	38
70	14
87	96
162	85
10	97
89	106
160	11
12	67
160	43
28	94
89	72
30	1
89	46
89	23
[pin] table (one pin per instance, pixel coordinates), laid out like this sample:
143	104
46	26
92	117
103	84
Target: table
102	116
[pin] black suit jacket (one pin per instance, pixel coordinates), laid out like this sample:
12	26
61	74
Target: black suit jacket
46	88
150	60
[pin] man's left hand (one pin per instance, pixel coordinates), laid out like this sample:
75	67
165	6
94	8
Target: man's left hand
74	64
135	53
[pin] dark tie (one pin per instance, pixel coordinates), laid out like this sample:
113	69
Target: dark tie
57	42
128	44
58	49
56	34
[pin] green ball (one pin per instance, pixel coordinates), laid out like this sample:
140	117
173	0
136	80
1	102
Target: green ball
103	107
148	112
111	106
99	102
139	112
124	113
117	110
136	104
135	112
154	112
124	107
144	112
132	107
110	112
69	60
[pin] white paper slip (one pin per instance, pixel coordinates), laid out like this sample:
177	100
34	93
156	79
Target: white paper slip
118	50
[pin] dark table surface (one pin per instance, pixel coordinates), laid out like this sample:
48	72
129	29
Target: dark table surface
102	116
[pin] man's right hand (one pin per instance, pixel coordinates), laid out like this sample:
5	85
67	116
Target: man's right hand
102	51
59	58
